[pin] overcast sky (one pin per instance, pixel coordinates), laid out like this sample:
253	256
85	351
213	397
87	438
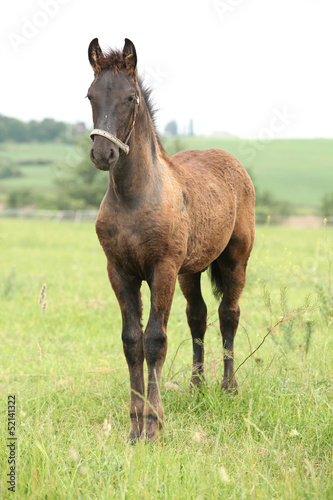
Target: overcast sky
252	68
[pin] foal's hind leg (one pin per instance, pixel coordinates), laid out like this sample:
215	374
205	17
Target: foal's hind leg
233	270
196	312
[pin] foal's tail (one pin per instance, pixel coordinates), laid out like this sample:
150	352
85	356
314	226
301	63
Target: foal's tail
216	279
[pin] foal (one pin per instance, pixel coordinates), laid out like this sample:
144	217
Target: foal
161	218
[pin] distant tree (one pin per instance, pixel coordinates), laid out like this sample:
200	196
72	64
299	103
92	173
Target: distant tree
82	185
326	208
7	169
174	145
20	197
3	130
50	130
266	203
47	130
13	129
19	131
171	128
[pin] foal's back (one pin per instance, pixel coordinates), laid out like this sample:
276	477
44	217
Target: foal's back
218	171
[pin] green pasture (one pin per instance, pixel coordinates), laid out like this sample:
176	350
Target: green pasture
21	152
66	368
39	164
296	171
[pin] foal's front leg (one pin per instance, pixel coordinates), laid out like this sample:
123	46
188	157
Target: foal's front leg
128	294
162	288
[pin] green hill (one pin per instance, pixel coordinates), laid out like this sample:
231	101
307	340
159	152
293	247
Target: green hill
29	168
299	172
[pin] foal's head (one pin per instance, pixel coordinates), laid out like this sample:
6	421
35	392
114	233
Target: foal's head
114	97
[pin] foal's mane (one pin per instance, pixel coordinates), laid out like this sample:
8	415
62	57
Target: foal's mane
146	92
114	60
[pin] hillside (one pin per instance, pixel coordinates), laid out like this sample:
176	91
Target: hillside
298	172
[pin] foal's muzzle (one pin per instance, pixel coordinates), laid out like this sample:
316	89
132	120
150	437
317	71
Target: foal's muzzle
104	154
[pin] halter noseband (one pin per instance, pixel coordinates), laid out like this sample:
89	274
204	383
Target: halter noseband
113	138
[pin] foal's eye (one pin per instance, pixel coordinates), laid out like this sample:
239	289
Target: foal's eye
130	98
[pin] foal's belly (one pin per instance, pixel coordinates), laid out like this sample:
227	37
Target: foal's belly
208	235
202	252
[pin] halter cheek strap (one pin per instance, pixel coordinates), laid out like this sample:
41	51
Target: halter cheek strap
113	138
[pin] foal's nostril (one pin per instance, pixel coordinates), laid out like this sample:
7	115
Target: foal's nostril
103	155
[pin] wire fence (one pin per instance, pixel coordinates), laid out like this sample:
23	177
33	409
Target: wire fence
78	216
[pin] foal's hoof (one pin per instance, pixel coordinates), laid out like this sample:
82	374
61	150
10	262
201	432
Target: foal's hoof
152	425
149	437
134	438
229	385
197	382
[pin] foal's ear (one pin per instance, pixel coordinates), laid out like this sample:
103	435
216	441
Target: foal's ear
95	54
130	59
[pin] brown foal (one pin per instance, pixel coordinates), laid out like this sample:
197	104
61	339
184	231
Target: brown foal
161	218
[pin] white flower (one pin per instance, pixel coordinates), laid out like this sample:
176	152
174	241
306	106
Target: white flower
224	475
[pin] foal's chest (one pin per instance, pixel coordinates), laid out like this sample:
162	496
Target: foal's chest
118	240
130	241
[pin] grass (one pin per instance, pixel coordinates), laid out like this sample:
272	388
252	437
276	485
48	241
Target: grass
66	367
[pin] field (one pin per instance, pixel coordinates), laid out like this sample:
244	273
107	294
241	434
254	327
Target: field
67	371
294	170
39	164
297	171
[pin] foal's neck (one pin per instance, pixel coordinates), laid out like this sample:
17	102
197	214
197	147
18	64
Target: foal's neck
137	172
